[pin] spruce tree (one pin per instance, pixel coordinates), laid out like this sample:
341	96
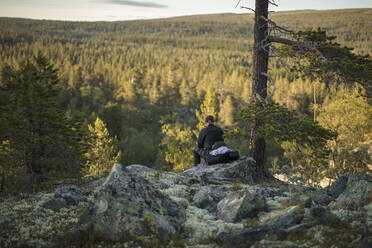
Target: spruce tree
36	133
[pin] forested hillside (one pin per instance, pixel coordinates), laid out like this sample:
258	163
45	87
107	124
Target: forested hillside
145	80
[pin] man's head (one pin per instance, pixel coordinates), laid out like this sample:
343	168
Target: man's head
209	119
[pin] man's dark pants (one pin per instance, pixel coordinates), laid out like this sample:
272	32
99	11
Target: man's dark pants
198	153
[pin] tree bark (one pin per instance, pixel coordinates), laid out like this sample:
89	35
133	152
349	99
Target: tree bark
259	81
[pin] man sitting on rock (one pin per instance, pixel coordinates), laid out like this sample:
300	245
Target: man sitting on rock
211	145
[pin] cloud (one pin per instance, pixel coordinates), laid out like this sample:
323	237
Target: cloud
136	3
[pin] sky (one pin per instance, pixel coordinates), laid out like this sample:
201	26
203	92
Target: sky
114	10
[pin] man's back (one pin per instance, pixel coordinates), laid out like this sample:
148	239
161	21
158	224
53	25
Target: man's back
209	135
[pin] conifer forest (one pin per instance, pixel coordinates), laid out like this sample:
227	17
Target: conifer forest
77	97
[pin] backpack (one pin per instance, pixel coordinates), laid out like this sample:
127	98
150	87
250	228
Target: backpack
222	158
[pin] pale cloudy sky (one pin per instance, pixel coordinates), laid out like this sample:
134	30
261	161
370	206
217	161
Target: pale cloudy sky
112	10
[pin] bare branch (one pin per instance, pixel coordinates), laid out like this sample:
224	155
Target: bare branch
238	4
243	7
275	26
272	2
289	42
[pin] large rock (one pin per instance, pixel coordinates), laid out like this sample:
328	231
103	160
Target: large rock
126	206
239	205
282	219
320	197
358	193
64	197
241	169
201	225
208	197
338	186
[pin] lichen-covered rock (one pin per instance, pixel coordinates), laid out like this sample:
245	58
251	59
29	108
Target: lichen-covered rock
338	186
161	179
358	193
239	205
138	206
320	197
124	205
282	219
276	202
177	190
242	169
208	197
72	194
275	244
321	215
200	225
139	168
64	197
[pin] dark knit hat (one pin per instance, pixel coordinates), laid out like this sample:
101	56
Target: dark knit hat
209	118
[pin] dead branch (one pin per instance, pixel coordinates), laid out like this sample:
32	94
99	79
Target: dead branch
238	4
276	27
243	7
289	42
272	2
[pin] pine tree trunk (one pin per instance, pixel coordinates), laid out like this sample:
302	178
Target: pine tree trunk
259	87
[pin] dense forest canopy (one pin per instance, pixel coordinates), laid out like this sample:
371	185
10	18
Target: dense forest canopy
138	76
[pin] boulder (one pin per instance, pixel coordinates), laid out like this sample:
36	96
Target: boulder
126	206
201	225
282	219
338	186
320	197
239	205
208	197
227	173
358	193
72	194
321	215
64	197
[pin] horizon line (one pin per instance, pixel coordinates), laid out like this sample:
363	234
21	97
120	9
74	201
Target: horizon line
177	16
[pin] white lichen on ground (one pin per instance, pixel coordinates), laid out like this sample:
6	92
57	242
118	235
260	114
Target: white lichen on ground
24	222
200	224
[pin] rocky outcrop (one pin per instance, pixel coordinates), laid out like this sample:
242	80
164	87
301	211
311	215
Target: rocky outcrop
127	206
228	173
357	193
137	206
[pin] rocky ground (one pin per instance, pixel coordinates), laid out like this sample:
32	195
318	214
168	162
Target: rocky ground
207	206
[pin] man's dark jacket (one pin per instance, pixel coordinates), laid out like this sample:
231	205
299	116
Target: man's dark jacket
209	135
